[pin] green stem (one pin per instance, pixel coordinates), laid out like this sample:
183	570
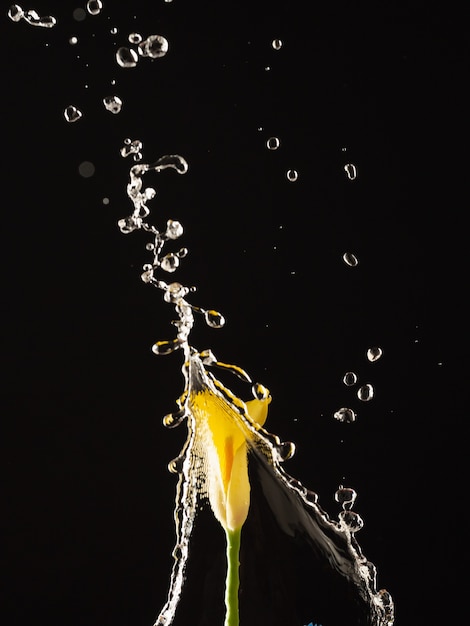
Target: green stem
232	582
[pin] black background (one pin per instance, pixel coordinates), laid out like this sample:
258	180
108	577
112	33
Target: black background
87	501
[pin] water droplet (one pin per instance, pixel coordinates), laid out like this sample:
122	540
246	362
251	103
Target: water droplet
273	143
285	450
260	391
214	319
350	379
131	147
277	44
128	224
175	466
365	393
154	47
113	104
73	41
173	229
173	161
86	169
147	274
345	415
374	354
346	497
351	520
174	292
169	262
105	200
79	14
94	6
135	38
174	419
350	259
126	57
351	171
15	13
166	347
72	114
113	30
292	175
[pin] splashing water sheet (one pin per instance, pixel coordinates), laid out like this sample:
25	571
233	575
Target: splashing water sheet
253	544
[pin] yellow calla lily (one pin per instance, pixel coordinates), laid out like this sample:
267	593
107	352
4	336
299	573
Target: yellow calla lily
222	438
223	428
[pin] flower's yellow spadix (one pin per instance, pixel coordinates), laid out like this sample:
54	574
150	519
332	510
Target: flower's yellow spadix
222	436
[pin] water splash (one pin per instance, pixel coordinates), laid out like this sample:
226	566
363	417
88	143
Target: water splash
329	545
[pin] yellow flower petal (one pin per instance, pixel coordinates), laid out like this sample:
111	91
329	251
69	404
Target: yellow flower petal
221	441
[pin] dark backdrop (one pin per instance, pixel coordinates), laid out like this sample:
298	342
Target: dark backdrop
87	501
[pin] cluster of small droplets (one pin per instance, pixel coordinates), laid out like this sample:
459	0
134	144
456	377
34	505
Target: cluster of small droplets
365	392
16	13
174	292
154	47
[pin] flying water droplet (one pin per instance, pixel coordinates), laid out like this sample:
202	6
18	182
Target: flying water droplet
166	347
135	38
154	47
350	379
365	393
73	41
72	114
374	354
345	415
292	175
273	143
126	57
350	259
113	104
214	319
351	171
346	497
170	262
94	7
173	229
277	44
